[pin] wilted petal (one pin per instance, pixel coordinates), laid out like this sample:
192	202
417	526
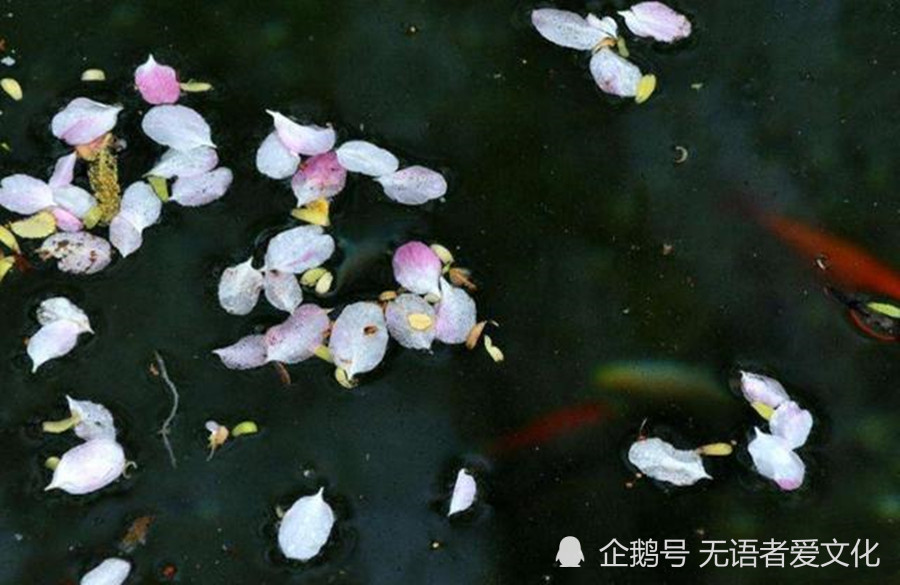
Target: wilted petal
566	29
455	314
63	171
157	83
66	221
298	249
79	252
52	341
239	288
62	309
95	421
416	332
74	199
413	185
359	156
177	127
660	460
83	121
25	195
417	268
763	389
359	338
282	290
201	189
109	572
319	177
774	459
657	21
274	159
89	467
185	163
296	339
306	527
791	423
614	74
464	491
309	140
248	353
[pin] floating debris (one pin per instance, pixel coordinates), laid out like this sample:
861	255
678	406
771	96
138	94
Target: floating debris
12	88
248	427
218	434
136	534
681	155
92	75
165	429
192	86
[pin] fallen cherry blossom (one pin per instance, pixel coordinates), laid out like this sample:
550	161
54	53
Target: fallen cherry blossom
570	30
139	209
112	571
239	288
94	421
763	389
61	324
177	127
411	321
413	185
158	84
614	74
417	268
83	121
282	290
319	177
456	315
274	159
299	139
197	190
774	459
657	21
359	156
26	195
88	467
791	424
359	338
78	252
298	249
662	461
185	163
306	527
464	492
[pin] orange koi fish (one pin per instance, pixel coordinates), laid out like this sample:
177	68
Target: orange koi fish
551	426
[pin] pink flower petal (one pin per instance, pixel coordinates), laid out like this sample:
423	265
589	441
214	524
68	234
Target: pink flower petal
657	21
309	140
65	221
74	199
82	121
791	423
52	341
89	467
321	176
78	253
759	388
566	29
185	163
359	338
298	249
615	75
248	353
239	288
282	290
417	268
464	491
455	314
109	572
397	317
25	195
140	208
297	338
157	83
177	127
63	171
774	459
413	185
273	159
359	156
202	189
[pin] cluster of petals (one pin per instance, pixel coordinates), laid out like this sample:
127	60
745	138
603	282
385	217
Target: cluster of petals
660	460
613	73
61	323
323	173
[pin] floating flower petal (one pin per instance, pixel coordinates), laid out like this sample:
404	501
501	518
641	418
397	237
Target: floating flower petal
62	309
309	140
25	195
615	75
74	199
657	21
157	83
456	314
185	163
774	459
52	341
297	338
274	159
79	253
89	467
177	127
359	156
791	423
660	460
411	321
759	388
298	249
83	121
109	572
319	177
282	290
66	221
95	421
201	189
239	288
464	491
139	209
567	29
413	185
63	171
359	338
247	353
417	268
306	527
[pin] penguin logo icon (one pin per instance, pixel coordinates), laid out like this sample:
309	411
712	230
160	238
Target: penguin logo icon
570	554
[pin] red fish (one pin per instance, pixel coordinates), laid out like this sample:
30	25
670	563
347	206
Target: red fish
551	426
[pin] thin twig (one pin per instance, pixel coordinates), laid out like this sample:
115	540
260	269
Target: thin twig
164	429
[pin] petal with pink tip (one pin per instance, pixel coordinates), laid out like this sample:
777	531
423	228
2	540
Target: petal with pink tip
299	139
298	249
177	127
774	459
82	121
359	338
791	423
74	199
398	323
417	268
282	290
614	74
248	353
157	83
185	163
319	177
413	185
455	314
25	195
63	171
657	21
566	29
110	572
359	156
763	389
464	491
202	189
239	288
88	467
78	253
66	221
52	341
297	338
274	159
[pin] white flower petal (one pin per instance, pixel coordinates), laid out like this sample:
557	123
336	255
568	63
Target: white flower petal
74	199
245	354
52	341
141	205
464	491
274	159
359	338
309	140
296	339
774	459
63	171
791	423
282	290
660	460
177	127
359	156
456	314
566	29
62	309
614	74
239	288
96	422
88	467
25	195
397	318
78	252
657	21
413	185
298	249
306	527
759	388
202	189
82	121
185	163
110	572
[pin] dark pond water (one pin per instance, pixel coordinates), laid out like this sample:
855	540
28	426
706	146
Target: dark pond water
562	202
